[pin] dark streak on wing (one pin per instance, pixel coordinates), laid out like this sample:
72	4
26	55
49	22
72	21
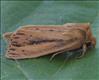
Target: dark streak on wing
20	33
38	41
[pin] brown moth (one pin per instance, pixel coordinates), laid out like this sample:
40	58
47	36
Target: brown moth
33	41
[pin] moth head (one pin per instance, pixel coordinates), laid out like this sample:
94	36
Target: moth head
84	27
91	43
90	39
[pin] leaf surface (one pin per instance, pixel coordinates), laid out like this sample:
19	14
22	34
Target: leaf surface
19	13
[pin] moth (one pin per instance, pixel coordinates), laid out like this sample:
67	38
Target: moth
32	41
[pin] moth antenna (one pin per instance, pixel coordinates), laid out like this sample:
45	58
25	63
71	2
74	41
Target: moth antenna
84	49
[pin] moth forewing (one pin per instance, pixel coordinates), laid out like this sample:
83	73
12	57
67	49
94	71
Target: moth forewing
38	40
39	43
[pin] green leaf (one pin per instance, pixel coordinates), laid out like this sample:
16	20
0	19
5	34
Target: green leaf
17	13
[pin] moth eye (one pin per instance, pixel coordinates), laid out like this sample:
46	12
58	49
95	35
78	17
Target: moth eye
89	44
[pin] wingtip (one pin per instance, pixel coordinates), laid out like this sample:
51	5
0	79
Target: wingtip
7	35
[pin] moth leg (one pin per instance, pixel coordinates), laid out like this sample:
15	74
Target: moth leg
83	52
55	55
